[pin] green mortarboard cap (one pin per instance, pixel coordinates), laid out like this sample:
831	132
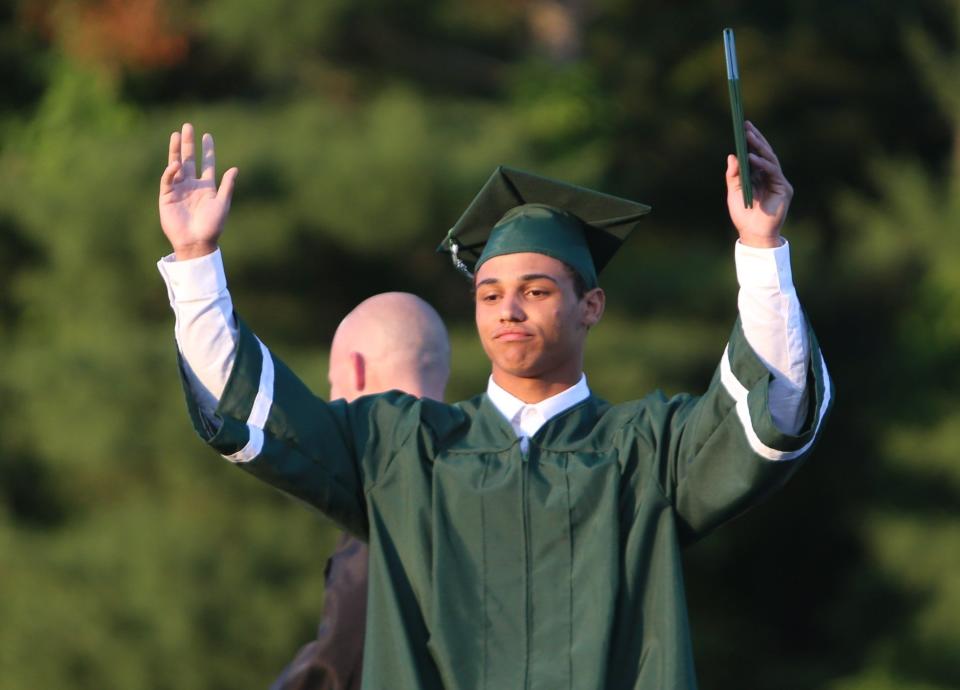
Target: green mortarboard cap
517	211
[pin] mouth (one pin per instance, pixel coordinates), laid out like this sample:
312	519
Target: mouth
511	334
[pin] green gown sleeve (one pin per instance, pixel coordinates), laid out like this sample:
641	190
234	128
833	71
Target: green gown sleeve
720	453
329	454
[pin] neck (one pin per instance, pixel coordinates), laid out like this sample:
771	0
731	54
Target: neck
534	390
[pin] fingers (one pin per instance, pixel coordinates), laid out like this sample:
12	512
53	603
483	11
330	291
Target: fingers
225	193
208	161
759	143
771	169
769	176
750	127
173	154
733	174
733	166
168	178
765	162
188	151
765	165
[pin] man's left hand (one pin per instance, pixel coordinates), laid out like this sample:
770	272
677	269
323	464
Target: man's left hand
759	225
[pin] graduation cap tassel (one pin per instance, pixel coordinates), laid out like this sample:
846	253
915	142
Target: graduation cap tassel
457	261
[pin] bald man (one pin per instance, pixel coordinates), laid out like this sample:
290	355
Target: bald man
391	341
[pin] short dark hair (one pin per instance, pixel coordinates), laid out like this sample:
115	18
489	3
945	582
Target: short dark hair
579	284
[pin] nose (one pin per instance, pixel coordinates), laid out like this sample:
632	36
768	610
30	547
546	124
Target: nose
510	309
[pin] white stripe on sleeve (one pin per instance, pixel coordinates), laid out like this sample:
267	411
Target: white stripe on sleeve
739	393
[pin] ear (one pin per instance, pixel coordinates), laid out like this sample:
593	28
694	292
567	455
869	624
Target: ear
358	368
592	304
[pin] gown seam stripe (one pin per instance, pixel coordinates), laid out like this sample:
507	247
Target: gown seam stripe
260	411
566	477
740	395
252	448
264	400
483	570
524	465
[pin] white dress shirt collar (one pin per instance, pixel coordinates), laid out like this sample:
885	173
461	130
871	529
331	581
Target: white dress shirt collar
527	418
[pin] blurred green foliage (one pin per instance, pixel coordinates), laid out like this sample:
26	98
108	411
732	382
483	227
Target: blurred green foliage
135	558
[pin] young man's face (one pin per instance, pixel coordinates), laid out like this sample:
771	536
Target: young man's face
530	321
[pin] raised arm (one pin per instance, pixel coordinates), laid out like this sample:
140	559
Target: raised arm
192	215
724	451
243	401
773	322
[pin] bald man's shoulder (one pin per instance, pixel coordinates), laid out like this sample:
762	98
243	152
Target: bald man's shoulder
407	414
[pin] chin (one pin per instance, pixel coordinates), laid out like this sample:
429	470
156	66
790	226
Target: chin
523	370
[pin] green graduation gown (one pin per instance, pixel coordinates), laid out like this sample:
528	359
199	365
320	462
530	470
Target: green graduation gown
493	569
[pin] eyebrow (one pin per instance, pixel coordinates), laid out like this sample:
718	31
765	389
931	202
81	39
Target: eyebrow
525	278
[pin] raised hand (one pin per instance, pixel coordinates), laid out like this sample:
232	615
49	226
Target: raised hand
192	209
759	225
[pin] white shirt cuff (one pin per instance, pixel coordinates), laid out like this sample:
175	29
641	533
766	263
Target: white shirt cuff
764	268
194	279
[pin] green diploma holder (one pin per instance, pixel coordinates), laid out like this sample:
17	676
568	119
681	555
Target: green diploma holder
736	111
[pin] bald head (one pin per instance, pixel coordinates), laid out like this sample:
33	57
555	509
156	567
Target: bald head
393	340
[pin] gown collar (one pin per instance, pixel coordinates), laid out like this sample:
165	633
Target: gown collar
526	419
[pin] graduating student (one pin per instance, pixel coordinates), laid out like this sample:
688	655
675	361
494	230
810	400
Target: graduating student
391	341
529	537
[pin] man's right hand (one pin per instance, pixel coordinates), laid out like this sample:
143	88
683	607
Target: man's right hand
192	209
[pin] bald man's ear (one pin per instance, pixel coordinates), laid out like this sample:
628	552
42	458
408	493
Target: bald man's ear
358	368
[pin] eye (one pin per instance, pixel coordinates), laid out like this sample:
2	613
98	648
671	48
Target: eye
488	297
537	292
